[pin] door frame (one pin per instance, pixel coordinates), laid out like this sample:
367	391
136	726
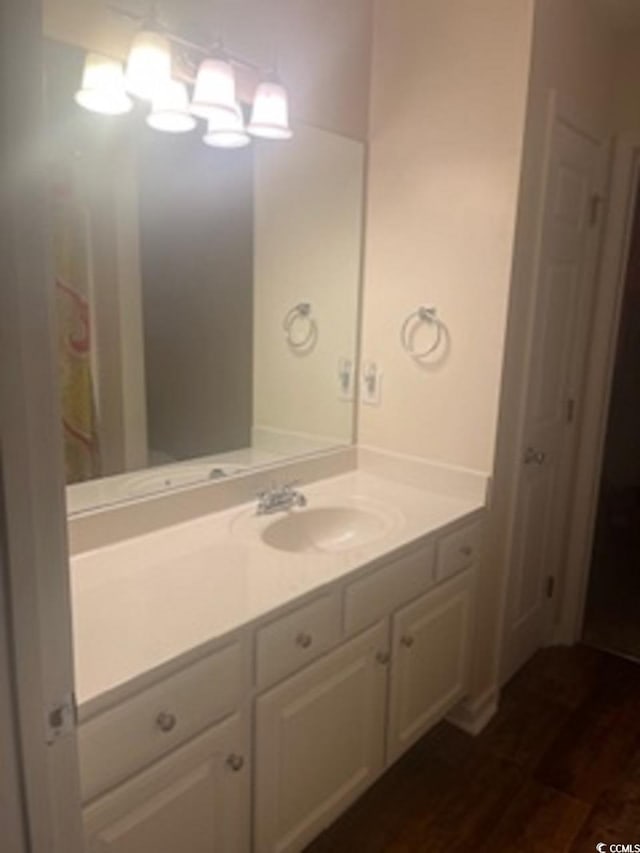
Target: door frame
33	527
623	188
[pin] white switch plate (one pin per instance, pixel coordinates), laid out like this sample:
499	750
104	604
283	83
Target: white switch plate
346	380
371	385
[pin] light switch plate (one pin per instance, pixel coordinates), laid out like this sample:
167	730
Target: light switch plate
371	385
346	380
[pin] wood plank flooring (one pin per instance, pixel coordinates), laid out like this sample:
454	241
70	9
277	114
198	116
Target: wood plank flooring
556	771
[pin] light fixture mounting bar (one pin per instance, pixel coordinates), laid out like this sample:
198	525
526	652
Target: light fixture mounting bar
196	47
234	58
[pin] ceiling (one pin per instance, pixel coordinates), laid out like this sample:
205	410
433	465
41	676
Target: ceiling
623	14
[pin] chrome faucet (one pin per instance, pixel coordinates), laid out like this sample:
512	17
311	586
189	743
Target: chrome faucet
280	499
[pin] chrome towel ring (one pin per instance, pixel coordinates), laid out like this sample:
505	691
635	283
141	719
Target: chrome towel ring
300	316
424	314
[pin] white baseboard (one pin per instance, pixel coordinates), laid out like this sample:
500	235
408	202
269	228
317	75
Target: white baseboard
473	715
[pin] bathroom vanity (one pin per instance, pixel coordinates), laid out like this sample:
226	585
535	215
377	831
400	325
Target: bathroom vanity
242	679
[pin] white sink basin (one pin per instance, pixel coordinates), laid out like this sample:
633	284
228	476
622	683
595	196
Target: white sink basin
326	529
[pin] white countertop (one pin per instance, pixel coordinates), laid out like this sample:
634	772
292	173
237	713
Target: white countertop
148	600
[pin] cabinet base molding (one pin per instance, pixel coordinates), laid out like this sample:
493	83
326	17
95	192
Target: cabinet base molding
473	715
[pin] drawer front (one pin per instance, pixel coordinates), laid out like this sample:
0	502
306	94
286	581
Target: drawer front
457	551
373	597
123	740
296	639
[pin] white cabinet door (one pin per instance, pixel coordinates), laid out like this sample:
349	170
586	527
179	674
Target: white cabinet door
431	660
195	800
319	742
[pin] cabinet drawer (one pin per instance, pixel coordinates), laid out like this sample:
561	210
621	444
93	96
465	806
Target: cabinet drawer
296	639
124	739
457	551
377	594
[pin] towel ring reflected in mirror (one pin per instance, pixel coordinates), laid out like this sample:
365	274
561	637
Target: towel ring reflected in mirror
424	315
300	328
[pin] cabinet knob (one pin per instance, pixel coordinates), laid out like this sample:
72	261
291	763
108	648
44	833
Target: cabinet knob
166	722
235	762
383	658
407	641
466	550
304	640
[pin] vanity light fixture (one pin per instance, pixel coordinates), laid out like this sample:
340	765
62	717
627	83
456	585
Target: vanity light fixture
106	88
103	86
170	109
226	130
270	115
149	63
215	89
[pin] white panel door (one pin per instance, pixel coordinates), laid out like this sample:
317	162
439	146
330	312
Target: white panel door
563	301
319	742
430	666
195	801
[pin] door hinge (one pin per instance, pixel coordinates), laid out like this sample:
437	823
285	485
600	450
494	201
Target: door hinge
571	410
595	205
61	719
551	585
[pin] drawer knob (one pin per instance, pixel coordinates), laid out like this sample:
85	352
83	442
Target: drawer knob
383	658
304	640
235	762
466	550
166	722
407	641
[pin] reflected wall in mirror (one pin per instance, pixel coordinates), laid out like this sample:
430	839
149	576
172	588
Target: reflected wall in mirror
207	300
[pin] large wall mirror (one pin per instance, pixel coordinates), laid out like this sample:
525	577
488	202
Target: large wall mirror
207	300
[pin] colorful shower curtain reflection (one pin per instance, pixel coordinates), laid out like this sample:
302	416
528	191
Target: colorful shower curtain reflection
72	280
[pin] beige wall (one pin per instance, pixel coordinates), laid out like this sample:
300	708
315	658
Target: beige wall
574	54
308	226
447	117
322	46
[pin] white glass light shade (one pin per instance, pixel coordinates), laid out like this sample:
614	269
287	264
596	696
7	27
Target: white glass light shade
102	89
270	116
226	130
149	64
215	89
170	109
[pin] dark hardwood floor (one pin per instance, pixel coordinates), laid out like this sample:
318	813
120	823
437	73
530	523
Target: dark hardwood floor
556	771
